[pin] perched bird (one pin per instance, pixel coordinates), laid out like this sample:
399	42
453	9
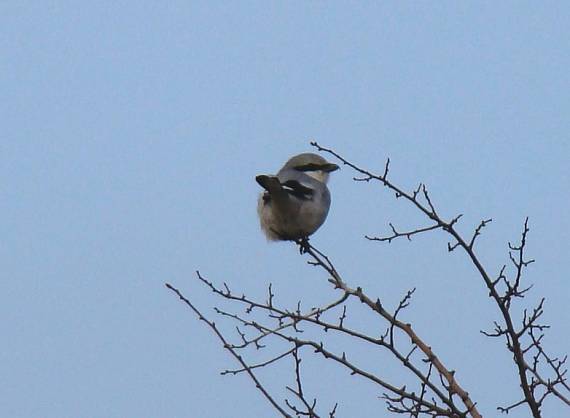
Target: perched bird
296	200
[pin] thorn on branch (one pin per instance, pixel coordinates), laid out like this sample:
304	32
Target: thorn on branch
386	169
416	192
482	225
271	295
397	234
343	316
451	248
433	213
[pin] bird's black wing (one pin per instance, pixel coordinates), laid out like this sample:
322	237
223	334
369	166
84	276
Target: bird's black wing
294	188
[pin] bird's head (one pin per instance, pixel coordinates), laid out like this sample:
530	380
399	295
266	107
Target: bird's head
311	164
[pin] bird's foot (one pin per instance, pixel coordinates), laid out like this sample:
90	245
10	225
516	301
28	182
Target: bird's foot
304	245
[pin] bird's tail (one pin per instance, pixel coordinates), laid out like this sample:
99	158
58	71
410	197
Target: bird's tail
269	183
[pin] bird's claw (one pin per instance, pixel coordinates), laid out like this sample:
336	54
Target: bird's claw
304	245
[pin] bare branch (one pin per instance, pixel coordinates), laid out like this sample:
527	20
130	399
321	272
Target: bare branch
397	234
227	346
513	290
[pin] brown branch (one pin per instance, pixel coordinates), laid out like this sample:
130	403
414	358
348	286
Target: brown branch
321	260
295	317
342	359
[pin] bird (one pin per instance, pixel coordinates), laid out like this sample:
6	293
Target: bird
295	202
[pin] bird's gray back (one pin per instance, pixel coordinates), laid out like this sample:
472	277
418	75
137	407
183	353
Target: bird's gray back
314	208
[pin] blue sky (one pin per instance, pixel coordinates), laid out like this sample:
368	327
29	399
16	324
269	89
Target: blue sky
131	136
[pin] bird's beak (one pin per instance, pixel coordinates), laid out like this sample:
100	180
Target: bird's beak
329	167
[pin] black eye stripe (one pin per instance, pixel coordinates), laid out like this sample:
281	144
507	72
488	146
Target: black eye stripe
309	167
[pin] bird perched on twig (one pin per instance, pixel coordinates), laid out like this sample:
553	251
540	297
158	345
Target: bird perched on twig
296	200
